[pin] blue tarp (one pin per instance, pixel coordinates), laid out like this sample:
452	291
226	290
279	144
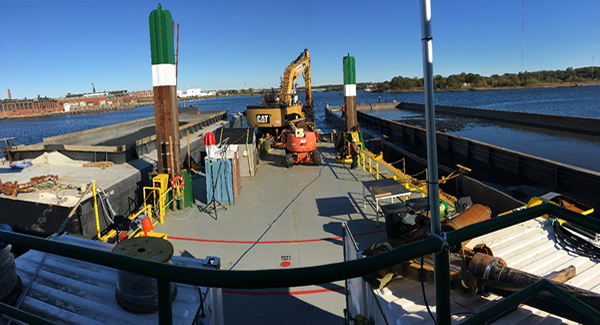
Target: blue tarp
220	178
21	164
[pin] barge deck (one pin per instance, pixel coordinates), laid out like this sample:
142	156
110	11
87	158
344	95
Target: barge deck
291	218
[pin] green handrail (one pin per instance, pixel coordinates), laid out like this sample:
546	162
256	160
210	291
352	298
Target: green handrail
22	315
291	277
490	313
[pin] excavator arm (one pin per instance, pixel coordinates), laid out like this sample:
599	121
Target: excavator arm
280	110
299	66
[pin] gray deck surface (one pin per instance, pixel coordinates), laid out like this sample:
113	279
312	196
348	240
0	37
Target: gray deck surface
275	208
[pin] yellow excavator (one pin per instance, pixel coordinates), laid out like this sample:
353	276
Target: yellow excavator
284	118
278	110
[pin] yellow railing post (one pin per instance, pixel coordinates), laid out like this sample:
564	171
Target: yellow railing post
370	167
96	210
377	170
363	161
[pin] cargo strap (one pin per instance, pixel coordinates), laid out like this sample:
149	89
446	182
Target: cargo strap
445	246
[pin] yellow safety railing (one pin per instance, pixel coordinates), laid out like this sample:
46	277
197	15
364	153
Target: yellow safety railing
159	205
412	184
162	204
96	210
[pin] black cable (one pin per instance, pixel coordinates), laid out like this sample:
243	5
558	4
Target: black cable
573	243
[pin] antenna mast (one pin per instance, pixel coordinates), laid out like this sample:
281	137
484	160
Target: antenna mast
593	49
522	35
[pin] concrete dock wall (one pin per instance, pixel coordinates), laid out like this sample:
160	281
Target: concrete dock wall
548	121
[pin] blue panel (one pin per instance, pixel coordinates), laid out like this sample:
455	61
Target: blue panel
219	180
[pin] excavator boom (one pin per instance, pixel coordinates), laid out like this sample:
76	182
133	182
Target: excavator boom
278	111
299	66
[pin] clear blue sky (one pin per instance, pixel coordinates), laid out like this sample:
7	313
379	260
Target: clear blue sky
54	47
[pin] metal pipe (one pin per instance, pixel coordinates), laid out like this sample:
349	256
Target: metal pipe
440	259
474	214
432	166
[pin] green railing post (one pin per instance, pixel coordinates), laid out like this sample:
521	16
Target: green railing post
165	310
442	286
523	295
578	305
22	315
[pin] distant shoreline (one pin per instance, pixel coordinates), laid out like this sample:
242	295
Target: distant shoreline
553	85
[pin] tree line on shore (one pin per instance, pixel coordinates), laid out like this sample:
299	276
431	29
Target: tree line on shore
465	81
507	80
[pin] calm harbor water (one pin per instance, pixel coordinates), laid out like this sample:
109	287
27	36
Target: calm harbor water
582	151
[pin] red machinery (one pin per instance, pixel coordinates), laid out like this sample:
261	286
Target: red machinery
301	145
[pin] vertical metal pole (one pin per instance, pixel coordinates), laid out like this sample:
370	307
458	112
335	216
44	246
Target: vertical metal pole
177	55
440	260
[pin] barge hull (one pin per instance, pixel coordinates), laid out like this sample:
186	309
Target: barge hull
491	164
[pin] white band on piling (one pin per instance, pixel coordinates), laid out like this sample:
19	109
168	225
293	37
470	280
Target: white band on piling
163	75
349	90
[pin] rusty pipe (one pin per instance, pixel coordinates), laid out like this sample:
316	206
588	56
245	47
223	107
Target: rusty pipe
474	214
504	281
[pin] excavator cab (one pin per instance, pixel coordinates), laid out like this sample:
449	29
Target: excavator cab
273	116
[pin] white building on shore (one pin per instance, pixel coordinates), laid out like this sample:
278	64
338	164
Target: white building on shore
194	92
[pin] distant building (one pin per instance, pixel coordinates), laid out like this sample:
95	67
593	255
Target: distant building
24	107
144	96
99	100
71	102
195	92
